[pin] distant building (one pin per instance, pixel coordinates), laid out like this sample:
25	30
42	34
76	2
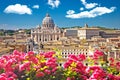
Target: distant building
71	33
110	34
47	32
87	33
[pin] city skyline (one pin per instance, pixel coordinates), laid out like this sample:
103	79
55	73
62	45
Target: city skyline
27	14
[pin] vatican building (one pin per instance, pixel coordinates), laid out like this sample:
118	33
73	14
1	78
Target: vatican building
47	32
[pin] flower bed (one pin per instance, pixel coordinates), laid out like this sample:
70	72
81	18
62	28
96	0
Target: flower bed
44	66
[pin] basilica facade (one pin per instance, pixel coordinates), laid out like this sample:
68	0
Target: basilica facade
48	31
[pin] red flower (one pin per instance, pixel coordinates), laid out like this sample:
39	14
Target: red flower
98	74
73	57
111	60
118	65
25	66
67	64
40	74
2	78
111	77
49	54
34	60
15	52
81	57
97	54
11	78
30	53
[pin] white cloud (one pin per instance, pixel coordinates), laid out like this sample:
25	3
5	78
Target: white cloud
83	1
18	9
36	6
88	5
54	3
81	8
98	11
70	12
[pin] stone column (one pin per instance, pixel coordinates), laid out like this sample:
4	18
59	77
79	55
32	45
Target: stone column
49	37
52	37
44	38
38	37
35	38
115	53
59	36
32	36
41	38
55	37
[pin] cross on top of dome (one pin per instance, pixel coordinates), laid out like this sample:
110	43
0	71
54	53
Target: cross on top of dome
47	15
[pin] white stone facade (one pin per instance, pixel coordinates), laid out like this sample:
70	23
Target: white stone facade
47	32
87	33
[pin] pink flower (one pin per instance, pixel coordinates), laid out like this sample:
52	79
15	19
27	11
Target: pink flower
88	69
3	74
54	69
111	77
117	77
98	54
73	57
52	60
34	60
68	78
11	78
11	74
51	64
2	78
80	65
66	65
4	57
81	57
47	71
15	52
98	74
8	66
95	68
25	66
30	53
49	54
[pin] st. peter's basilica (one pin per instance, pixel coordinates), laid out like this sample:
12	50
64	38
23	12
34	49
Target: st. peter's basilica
48	31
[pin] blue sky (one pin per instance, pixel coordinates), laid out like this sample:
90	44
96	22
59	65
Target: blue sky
16	14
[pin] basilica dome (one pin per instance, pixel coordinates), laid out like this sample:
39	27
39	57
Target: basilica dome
47	20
